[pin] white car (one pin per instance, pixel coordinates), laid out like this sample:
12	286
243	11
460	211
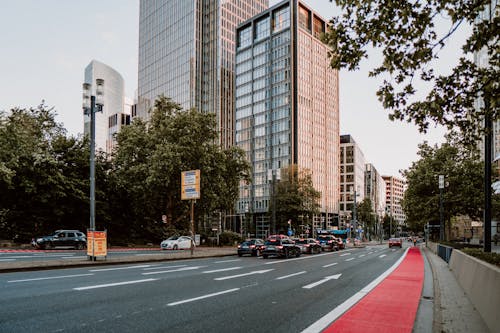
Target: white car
176	243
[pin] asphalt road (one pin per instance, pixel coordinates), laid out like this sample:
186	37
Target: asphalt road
48	255
227	294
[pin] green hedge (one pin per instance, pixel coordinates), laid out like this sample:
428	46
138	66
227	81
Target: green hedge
490	257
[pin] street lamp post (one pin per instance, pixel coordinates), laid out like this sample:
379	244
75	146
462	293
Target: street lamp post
92	104
441	208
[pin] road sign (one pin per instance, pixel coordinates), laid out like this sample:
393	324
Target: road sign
190	185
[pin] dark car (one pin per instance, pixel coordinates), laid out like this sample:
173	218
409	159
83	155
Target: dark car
395	242
328	242
308	245
251	246
280	247
61	238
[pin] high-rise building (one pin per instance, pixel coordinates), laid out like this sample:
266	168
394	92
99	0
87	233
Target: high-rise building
113	100
395	189
186	52
287	109
375	189
352	176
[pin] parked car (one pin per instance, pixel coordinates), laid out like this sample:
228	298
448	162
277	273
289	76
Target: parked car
252	246
176	243
328	242
395	242
308	245
61	238
280	247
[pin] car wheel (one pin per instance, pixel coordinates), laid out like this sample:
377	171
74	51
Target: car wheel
47	246
297	253
287	254
239	254
79	246
175	247
264	256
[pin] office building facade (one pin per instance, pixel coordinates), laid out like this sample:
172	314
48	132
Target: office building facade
352	177
114	107
287	109
395	189
186	52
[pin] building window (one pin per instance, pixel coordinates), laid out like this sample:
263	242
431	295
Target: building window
281	19
245	37
262	28
304	18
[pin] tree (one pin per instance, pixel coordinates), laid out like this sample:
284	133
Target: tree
406	33
43	175
366	214
463	194
294	196
148	164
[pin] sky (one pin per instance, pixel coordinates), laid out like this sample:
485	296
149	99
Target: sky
47	44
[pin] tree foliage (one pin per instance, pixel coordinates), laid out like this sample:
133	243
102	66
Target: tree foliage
149	161
295	196
463	194
407	34
43	175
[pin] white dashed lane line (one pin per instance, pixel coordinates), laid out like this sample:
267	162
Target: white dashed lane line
287	276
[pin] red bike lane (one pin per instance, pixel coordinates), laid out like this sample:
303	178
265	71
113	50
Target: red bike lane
389	307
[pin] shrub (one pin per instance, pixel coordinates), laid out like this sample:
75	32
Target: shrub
229	238
490	257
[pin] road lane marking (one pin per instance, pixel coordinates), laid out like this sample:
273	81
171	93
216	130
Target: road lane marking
50	278
349	259
300	258
361	255
118	268
317	283
203	297
345	254
381	256
113	284
330	317
332	264
7	259
163	267
174	270
224	261
287	276
244	274
222	270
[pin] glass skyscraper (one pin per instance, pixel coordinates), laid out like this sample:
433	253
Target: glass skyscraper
287	105
186	52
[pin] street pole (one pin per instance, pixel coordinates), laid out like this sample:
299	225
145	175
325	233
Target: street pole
441	208
487	176
192	226
91	105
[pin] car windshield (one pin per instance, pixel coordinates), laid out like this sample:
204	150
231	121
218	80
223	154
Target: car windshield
173	238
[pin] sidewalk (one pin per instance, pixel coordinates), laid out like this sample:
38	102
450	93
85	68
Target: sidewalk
453	312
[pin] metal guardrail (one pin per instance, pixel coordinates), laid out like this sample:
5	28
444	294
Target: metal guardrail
444	252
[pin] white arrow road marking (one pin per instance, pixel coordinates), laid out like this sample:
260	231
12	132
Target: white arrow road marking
173	270
245	274
332	264
312	285
113	284
381	256
222	270
202	297
50	278
287	276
